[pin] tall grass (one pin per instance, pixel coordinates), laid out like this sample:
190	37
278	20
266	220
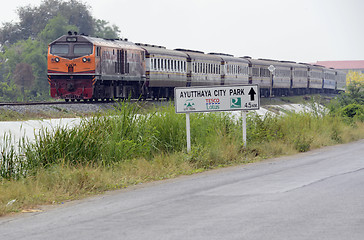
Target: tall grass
13	165
127	146
124	134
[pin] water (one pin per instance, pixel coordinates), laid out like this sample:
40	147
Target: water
29	129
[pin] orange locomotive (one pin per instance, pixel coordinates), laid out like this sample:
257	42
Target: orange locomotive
87	68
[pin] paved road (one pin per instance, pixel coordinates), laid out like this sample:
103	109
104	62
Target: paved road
316	195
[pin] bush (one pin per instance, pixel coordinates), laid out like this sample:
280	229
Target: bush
353	111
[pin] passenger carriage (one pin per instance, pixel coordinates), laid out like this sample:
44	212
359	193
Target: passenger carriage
165	69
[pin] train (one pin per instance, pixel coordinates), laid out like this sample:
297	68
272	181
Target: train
88	68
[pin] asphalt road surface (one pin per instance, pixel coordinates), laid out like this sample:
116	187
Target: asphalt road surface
315	195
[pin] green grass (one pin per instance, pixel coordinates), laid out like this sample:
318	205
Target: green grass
128	146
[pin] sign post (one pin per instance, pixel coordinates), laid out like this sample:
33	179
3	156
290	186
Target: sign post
272	70
216	98
243	116
188	131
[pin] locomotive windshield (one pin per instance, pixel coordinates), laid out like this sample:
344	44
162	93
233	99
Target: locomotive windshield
59	49
82	49
71	50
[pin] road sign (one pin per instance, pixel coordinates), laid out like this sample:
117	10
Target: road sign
271	68
217	98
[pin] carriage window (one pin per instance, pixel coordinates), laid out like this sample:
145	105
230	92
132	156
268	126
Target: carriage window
59	49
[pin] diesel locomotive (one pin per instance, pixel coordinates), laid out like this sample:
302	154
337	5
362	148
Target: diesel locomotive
88	68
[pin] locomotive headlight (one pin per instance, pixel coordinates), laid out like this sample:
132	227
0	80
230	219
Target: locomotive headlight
56	59
84	59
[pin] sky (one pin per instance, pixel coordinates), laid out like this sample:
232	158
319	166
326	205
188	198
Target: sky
294	30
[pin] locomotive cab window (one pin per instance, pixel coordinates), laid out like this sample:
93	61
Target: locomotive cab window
61	49
82	49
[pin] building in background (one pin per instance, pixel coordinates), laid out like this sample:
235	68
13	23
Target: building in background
346	66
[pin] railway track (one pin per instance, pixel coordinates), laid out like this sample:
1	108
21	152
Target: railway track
58	109
32	103
54	103
4	104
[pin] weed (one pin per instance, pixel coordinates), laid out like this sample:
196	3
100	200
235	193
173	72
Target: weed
127	146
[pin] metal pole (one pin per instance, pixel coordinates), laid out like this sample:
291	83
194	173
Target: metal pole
243	114
188	131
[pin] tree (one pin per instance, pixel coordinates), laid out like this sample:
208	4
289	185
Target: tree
354	95
354	77
10	33
32	52
34	19
55	28
7	92
23	77
103	30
